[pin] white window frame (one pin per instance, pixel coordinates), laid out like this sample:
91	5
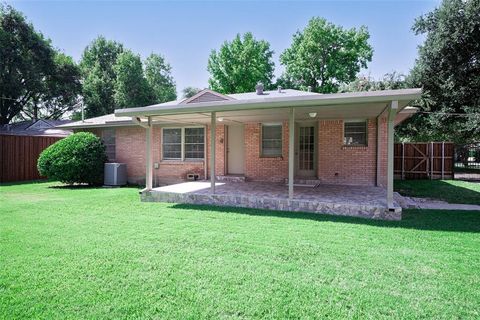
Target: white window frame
271	124
182	144
365	121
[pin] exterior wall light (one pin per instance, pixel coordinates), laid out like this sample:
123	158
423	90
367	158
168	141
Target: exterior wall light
312	114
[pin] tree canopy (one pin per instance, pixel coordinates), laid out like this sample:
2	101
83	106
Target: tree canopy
98	61
240	64
131	88
389	81
323	56
34	77
159	77
448	69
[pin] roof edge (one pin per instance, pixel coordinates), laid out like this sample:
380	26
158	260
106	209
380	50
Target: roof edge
268	103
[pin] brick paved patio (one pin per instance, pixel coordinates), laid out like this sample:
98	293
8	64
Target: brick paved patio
359	201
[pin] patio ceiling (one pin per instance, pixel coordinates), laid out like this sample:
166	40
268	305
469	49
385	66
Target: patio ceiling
358	105
351	111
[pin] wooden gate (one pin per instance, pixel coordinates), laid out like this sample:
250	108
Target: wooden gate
19	155
424	160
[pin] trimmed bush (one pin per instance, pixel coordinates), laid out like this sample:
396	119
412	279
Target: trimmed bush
79	158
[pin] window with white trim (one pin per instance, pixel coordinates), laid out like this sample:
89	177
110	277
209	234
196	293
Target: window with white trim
355	133
183	143
172	144
194	143
271	145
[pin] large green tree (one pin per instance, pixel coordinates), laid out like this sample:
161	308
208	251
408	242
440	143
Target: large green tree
35	79
448	69
389	81
323	56
158	73
61	94
240	64
98	61
131	87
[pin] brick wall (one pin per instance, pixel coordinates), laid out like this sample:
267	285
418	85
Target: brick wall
220	150
336	163
258	168
130	149
339	164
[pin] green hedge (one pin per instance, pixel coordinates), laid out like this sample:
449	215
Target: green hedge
79	158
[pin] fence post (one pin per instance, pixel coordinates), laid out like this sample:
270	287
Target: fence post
431	160
403	160
443	160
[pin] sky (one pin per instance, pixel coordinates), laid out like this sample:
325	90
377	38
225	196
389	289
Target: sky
185	32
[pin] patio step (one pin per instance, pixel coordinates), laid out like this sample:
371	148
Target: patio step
305	182
231	178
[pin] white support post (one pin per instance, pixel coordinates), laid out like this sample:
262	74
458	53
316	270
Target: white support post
392	111
291	151
205	163
148	156
379	150
213	127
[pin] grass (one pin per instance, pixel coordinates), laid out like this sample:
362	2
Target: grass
101	253
452	191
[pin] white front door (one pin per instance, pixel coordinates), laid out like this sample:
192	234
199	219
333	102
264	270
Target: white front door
235	149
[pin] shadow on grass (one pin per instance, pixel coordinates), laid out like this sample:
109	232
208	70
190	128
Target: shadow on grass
87	186
19	183
452	191
434	220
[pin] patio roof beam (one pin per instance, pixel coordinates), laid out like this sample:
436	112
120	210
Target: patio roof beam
392	111
138	120
291	151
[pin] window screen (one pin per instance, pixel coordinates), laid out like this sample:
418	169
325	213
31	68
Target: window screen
271	140
108	138
194	143
172	143
355	133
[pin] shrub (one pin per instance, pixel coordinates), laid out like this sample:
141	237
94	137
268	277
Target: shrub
79	158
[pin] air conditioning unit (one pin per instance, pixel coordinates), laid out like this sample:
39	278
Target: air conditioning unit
115	174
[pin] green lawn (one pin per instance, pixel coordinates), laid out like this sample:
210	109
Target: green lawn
101	253
452	191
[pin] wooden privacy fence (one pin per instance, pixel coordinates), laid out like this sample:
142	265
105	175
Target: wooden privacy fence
19	155
424	160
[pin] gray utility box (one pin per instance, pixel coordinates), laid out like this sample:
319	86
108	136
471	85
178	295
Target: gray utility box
115	174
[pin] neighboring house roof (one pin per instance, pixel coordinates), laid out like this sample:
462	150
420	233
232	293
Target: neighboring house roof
365	104
41	127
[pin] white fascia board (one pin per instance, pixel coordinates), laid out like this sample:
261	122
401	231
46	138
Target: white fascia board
278	102
97	125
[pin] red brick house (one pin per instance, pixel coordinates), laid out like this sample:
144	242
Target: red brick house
343	139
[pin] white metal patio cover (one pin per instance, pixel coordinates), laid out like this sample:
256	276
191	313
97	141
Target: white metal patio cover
355	105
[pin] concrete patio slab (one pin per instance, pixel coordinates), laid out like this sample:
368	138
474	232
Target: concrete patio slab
358	201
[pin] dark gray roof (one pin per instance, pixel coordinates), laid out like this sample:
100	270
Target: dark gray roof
41	127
